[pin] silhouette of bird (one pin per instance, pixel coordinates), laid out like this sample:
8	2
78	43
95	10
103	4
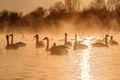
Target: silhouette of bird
78	45
102	44
68	44
10	46
112	41
56	50
39	44
20	44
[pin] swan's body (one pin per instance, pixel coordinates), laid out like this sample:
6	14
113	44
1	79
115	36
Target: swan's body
78	45
112	41
68	44
56	50
101	44
20	44
39	44
10	46
100	40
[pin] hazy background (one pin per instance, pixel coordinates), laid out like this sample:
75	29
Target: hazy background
26	6
60	16
90	20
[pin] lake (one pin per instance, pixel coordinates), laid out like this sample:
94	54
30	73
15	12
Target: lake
29	63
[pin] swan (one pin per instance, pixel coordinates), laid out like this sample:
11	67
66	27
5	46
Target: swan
68	44
100	40
10	46
101	44
20	44
39	44
78	45
112	41
56	50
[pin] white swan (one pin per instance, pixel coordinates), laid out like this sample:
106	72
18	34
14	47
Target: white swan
56	50
20	44
39	44
68	44
78	45
102	44
100	40
10	46
112	41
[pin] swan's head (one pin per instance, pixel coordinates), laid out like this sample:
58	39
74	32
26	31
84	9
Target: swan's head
106	35
45	38
111	37
11	34
36	36
75	36
54	44
65	34
7	36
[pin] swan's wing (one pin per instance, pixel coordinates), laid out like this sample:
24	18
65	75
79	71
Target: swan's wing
63	46
20	44
99	44
70	43
41	43
100	40
113	42
59	50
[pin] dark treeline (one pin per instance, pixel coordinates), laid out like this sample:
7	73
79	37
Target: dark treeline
105	14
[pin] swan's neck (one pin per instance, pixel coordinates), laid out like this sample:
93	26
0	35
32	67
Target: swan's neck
47	47
75	38
37	40
11	39
65	38
7	41
111	38
106	41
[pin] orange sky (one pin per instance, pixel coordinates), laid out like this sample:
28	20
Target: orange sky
26	6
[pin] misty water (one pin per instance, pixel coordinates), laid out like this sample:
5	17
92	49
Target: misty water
29	63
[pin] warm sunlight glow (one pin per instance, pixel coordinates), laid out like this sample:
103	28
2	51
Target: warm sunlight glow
60	39
85	66
88	41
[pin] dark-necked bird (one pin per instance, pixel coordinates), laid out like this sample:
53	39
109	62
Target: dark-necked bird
20	44
10	46
68	44
78	45
56	49
39	44
102	44
112	41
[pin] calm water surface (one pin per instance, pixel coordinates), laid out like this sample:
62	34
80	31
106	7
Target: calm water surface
29	63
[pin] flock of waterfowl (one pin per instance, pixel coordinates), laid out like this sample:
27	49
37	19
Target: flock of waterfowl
13	45
61	49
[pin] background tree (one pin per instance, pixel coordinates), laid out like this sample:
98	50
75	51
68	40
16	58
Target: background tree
14	17
72	5
56	12
99	4
38	14
35	17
